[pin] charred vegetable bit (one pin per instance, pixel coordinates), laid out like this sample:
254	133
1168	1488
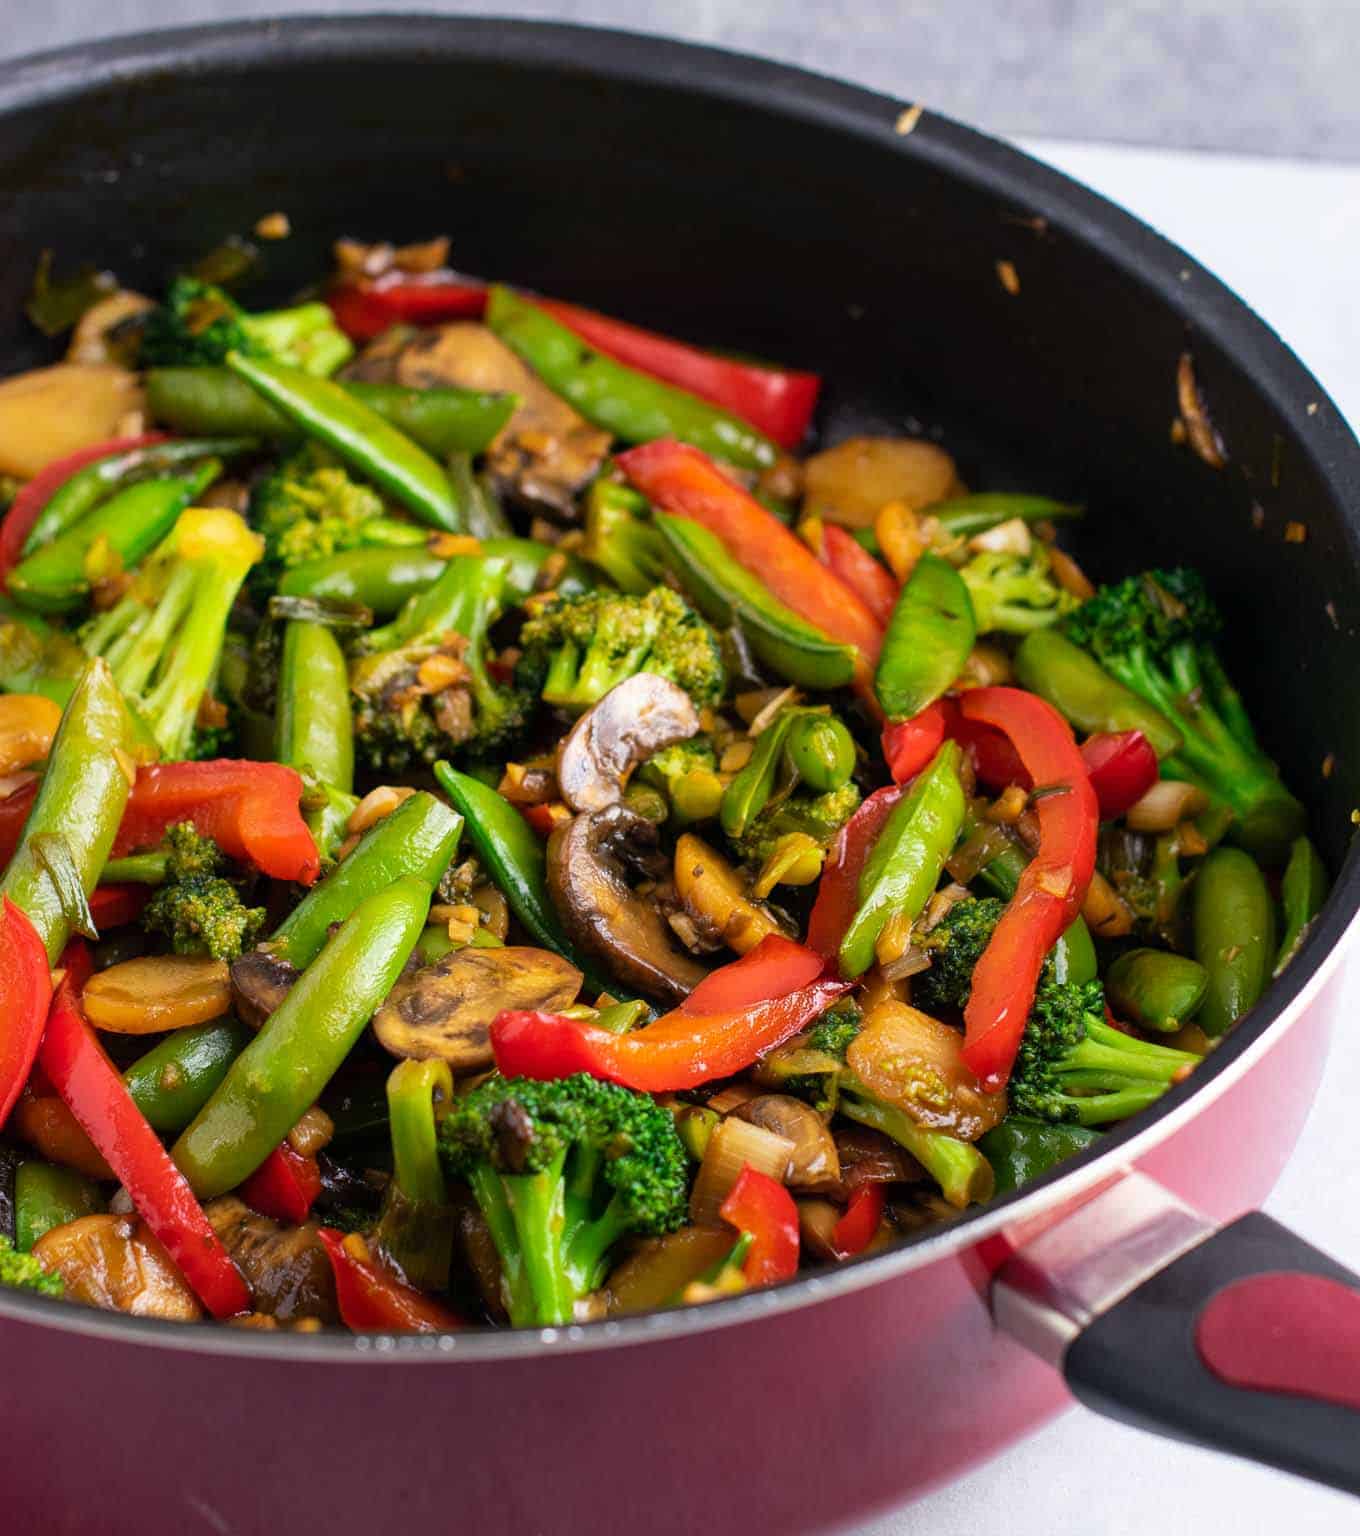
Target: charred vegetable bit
199	323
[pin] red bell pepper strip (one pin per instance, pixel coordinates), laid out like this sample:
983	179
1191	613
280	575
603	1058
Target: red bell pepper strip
763	1208
910	744
14	811
1052	887
374	1301
364	310
681	479
284	1186
112	906
777	401
855	1230
90	1086
250	810
1122	766
34	496
739	1017
994	758
25	993
867	578
838	891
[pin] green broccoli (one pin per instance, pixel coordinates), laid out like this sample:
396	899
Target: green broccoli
955	946
199	323
687	774
198	910
1015	593
620	540
1156	634
1075	1068
22	1272
164	637
819	817
577	648
421	686
562	1170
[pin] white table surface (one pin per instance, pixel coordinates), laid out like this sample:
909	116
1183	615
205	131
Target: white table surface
1284	234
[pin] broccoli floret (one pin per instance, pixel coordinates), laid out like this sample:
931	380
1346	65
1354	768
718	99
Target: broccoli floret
188	855
562	1170
577	648
22	1272
836	1028
1015	593
1075	1068
199	323
662	769
198	910
619	539
955	946
819	817
421	686
164	637
1156	634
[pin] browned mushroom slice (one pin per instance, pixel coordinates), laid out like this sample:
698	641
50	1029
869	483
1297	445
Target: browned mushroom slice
639	717
286	1268
547	451
259	983
814	1163
446	1009
115	1262
601	913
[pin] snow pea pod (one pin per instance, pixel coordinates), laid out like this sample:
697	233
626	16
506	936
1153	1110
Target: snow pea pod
315	727
46	1196
745	797
176	1078
632	405
418	839
1020	1149
131	523
1156	989
820	750
1303	889
727	594
904	864
351	428
84	793
1233	922
928	639
963	516
282	1072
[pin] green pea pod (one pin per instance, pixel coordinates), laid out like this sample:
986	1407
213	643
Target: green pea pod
1303	889
929	636
358	434
1156	989
478	507
46	1196
820	750
412	1090
315	727
904	865
131	524
1020	1149
745	797
513	856
176	1078
632	405
84	793
213	400
418	839
1234	936
726	593
96	482
963	516
302	1044
1081	690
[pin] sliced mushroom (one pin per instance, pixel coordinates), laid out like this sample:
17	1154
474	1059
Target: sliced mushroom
286	1268
814	1163
638	718
547	451
115	1262
587	879
445	1010
259	983
108	331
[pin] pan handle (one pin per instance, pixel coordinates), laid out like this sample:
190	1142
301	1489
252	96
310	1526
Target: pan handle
1243	1338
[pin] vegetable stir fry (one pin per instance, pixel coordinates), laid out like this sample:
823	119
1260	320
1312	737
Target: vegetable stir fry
498	828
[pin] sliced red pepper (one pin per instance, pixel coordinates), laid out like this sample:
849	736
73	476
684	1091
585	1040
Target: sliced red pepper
838	891
540	818
763	1208
284	1186
681	479
365	310
111	906
1122	766
994	758
855	1230
25	994
14	811
89	1084
374	1301
34	496
1052	887
867	578
910	744
778	401
683	1048
250	810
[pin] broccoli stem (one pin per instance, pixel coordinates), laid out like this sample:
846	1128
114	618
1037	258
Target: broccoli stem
527	1216
961	1171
